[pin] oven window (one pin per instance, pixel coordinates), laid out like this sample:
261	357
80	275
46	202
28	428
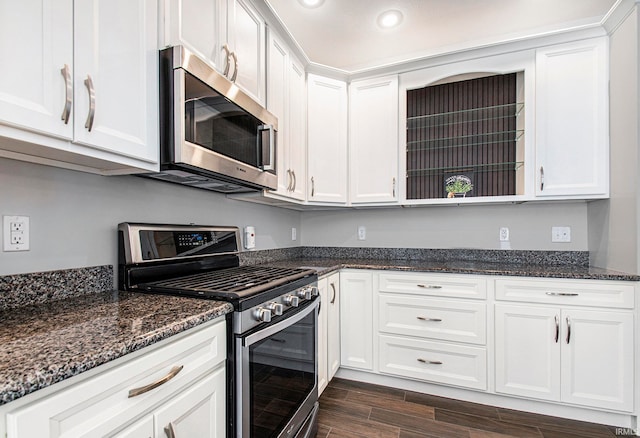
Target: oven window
282	372
215	123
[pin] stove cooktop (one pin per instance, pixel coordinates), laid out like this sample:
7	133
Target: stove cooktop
232	283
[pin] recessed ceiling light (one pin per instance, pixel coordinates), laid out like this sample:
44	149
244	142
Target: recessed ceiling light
311	3
389	19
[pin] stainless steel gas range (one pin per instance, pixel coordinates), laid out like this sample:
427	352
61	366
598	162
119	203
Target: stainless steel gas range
272	359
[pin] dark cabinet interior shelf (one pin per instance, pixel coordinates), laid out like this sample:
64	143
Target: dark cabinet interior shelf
469	130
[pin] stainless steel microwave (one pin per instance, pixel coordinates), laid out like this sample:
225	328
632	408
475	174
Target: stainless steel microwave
212	135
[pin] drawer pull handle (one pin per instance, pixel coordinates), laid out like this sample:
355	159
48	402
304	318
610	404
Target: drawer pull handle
562	294
170	431
422	318
137	391
430	286
431	362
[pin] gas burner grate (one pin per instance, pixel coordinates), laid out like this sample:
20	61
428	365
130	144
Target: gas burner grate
240	281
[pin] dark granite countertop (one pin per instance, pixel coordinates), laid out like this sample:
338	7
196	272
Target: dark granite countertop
49	342
328	265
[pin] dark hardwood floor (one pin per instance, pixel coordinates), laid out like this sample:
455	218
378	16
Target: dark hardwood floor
351	409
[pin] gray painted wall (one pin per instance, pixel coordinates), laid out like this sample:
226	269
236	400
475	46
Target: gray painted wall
469	226
74	215
613	224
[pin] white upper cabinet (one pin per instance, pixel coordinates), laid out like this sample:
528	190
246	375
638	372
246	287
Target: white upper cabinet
327	140
297	124
115	77
228	34
199	25
84	72
286	100
246	40
373	140
572	138
37	38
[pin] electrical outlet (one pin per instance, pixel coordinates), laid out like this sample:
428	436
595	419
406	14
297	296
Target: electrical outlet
362	232
504	234
561	234
15	233
294	233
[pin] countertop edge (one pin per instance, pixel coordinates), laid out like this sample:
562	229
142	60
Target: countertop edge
39	378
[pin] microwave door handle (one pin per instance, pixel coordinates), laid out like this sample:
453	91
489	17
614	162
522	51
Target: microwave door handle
271	155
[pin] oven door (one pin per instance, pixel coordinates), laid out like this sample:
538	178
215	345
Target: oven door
277	376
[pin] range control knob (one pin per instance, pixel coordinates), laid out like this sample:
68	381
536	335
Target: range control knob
305	293
275	308
315	291
291	300
263	315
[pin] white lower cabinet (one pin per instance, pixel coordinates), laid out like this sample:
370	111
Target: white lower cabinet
563	352
564	345
437	362
425	325
356	320
328	329
178	385
197	412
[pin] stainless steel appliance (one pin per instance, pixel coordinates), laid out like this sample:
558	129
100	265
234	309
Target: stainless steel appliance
212	135
272	357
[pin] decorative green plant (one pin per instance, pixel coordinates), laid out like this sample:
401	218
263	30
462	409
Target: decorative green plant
458	184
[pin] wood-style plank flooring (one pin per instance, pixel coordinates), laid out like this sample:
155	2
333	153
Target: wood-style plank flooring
351	409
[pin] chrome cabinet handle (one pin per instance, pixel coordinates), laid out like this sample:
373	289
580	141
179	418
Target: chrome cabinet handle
431	362
290	179
225	73
313	187
172	373
541	178
568	330
295	181
170	431
557	328
92	103
333	297
562	294
394	187
422	318
68	90
235	67
430	286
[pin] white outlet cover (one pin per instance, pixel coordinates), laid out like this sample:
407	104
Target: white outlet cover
561	234
362	232
15	228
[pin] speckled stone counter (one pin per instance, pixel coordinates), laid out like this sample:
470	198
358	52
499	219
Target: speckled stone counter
327	265
46	343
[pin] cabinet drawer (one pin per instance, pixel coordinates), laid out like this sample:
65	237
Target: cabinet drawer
567	292
434	285
101	404
434	361
433	318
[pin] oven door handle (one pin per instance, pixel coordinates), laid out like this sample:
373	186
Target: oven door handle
280	325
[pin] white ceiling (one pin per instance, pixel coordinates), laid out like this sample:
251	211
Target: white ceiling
343	33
